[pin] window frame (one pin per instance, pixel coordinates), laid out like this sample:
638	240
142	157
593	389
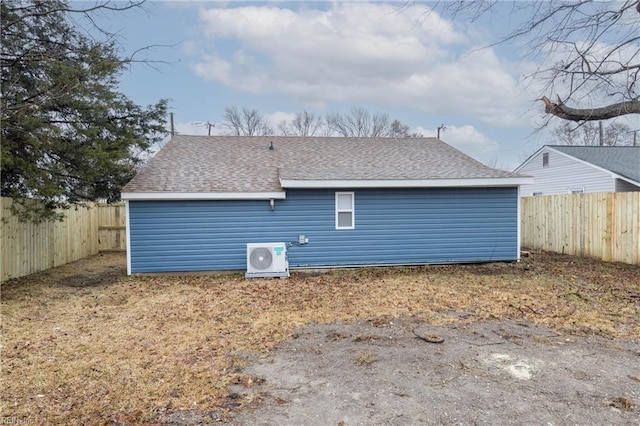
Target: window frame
352	210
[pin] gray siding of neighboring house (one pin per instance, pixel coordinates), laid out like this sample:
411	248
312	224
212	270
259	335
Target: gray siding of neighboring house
392	226
624	186
564	174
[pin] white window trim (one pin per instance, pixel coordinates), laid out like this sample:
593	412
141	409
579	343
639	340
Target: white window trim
352	210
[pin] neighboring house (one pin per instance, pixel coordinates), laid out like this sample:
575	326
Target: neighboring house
560	169
357	201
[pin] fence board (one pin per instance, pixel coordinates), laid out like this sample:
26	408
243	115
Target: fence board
601	225
86	230
112	227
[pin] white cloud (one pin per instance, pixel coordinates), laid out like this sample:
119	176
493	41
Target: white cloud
275	118
190	47
214	68
467	139
357	53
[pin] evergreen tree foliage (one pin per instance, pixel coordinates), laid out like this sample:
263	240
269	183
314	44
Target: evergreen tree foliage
68	134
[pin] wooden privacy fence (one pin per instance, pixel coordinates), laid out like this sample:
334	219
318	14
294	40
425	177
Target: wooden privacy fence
112	227
601	225
86	230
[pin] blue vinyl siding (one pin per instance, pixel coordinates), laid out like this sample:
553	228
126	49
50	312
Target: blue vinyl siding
392	226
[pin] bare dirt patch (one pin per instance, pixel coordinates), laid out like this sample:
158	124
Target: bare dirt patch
495	372
86	344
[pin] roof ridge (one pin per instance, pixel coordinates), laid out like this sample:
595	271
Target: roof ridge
306	137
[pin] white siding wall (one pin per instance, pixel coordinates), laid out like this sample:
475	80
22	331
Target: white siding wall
564	174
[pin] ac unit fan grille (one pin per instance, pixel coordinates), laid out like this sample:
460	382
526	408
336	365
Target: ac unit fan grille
261	258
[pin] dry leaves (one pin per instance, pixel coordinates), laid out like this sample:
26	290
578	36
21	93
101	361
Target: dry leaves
83	343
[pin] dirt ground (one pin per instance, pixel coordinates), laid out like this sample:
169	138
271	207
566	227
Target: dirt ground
496	372
551	340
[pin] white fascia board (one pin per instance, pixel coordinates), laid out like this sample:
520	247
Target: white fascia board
128	235
176	196
519	225
531	157
426	183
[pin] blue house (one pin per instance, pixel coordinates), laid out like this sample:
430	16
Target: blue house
337	202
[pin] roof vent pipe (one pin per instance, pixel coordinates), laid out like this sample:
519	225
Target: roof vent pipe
271	147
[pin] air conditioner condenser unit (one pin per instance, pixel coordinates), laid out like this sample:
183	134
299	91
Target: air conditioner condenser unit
267	260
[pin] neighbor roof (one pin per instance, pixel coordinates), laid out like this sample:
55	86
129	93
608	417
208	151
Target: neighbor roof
622	160
237	164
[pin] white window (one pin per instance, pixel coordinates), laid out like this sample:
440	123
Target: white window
345	210
545	159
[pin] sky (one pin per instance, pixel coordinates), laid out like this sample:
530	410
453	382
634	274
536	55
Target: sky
284	57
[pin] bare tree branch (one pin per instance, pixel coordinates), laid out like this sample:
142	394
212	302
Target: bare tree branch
587	133
359	123
587	50
590	114
245	122
106	5
304	123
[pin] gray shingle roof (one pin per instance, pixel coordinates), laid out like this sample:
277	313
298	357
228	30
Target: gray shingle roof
191	164
623	160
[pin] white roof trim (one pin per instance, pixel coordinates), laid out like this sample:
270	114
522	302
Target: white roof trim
173	196
421	183
528	160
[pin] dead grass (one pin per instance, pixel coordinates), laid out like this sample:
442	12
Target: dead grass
365	358
85	344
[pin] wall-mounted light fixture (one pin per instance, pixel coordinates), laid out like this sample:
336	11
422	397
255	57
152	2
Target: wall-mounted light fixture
272	203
